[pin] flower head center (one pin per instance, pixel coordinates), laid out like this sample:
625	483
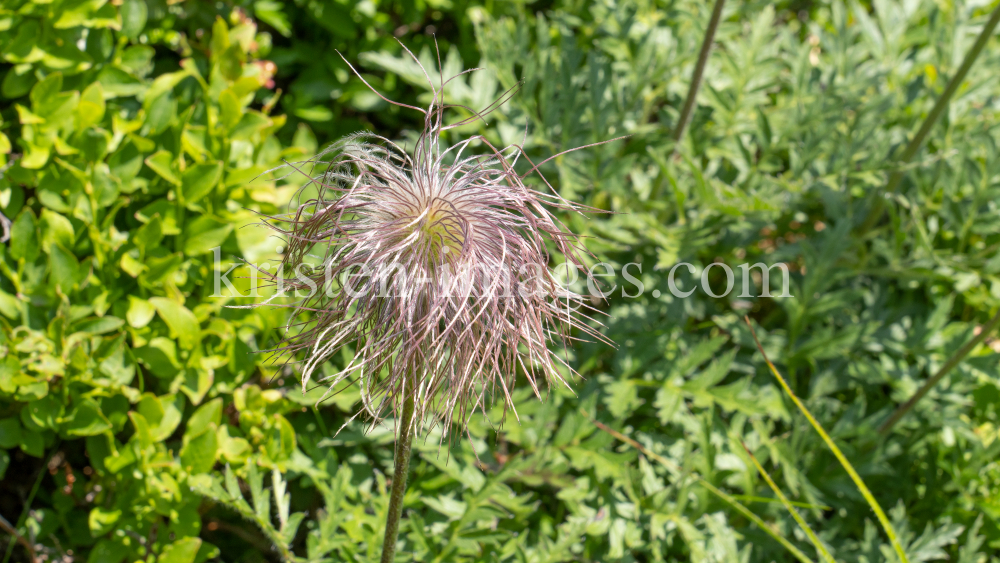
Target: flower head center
439	232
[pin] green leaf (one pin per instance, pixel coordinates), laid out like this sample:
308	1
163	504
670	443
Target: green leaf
108	551
24	237
209	413
56	229
11	378
161	414
232	449
195	383
181	551
161	113
116	82
28	388
162	85
198	454
102	521
119	365
183	324
46	91
249	124
95	147
99	325
17	82
281	441
149	235
10	432
199	180
90	110
134	13
160	357
65	267
45	412
106	187
160	268
161	162
230	109
85	419
231	62
167	212
10	306
140	312
33	444
203	234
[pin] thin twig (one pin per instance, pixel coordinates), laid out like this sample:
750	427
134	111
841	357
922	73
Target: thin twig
953	361
710	487
914	145
858	482
699	71
7	527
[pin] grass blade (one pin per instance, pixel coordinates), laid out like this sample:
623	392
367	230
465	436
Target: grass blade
708	486
791	509
858	482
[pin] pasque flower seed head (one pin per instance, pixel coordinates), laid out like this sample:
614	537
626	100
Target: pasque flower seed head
433	267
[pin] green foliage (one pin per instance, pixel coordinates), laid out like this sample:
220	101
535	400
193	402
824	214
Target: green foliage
133	140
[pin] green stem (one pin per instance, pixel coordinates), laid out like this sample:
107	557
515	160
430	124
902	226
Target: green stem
791	509
401	466
914	145
930	383
858	482
699	71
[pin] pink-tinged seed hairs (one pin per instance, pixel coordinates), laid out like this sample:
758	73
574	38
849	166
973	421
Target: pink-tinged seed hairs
433	266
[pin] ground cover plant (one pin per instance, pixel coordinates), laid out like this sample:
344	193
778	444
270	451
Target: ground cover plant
139	422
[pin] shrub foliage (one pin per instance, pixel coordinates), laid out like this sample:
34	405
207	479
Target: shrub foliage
140	421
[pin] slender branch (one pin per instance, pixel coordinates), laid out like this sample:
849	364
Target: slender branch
699	70
914	145
701	481
953	361
7	527
858	482
401	466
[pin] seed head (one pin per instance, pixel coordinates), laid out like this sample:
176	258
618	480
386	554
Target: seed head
434	267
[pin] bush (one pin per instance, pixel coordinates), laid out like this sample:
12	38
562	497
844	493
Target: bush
140	418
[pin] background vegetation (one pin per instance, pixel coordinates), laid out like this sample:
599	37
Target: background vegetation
137	424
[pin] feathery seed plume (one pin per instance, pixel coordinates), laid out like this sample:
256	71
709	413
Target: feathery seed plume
433	265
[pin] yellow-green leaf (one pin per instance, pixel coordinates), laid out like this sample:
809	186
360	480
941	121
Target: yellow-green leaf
182	322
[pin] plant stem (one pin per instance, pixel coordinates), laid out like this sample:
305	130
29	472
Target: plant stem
914	145
710	487
953	361
401	466
699	71
858	482
823	552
